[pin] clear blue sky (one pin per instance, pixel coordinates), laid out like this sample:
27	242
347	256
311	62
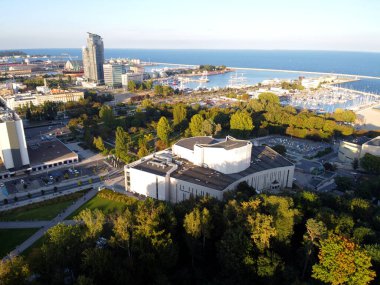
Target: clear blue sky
226	24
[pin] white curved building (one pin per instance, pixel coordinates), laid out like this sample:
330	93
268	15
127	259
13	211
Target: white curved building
229	156
204	166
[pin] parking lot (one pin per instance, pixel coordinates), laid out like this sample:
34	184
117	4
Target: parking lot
53	177
296	149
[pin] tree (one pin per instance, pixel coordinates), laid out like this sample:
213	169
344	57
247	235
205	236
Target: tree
262	230
123	228
179	114
122	143
131	86
149	84
106	115
198	224
163	129
98	143
342	262
241	123
93	222
280	149
143	151
196	126
158	90
269	97
344	184
315	230
14	271
370	163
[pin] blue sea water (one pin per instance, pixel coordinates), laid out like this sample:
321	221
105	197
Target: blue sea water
357	63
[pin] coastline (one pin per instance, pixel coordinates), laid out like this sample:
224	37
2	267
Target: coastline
356	76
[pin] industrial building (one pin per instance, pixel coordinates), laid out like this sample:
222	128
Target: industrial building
204	166
93	59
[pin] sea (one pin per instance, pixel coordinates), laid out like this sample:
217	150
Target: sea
355	63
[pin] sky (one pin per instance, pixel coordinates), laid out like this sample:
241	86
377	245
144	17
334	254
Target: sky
352	25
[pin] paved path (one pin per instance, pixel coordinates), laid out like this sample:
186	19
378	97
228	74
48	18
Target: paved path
23	225
59	219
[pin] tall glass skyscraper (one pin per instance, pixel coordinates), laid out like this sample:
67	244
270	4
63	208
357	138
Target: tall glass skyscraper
93	59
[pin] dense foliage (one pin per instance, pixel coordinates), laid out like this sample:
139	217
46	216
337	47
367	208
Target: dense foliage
299	238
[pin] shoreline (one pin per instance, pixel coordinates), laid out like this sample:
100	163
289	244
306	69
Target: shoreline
358	76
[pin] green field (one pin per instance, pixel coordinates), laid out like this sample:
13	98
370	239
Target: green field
10	238
46	210
105	205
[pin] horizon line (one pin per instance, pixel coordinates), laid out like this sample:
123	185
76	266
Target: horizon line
231	49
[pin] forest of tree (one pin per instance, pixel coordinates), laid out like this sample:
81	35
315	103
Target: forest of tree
293	238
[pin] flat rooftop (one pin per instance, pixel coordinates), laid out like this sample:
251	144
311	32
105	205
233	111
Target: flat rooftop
229	144
263	158
374	142
49	151
153	166
359	140
190	142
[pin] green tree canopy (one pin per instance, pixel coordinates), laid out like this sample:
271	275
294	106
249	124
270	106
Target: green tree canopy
343	262
163	129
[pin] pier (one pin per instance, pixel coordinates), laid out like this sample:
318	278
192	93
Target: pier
358	76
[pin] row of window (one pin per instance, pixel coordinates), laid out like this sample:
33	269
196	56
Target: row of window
46	166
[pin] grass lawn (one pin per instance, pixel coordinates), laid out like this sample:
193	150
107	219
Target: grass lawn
105	205
40	211
10	238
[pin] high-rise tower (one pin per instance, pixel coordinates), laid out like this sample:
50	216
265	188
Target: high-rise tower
93	59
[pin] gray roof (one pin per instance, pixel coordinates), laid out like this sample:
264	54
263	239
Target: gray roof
229	144
263	158
153	166
375	141
358	140
49	151
190	142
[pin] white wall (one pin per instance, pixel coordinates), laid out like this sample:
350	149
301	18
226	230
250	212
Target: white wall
5	147
182	190
22	142
146	184
263	180
371	149
227	161
348	151
182	152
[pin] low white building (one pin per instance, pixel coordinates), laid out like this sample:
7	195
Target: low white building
130	76
310	83
356	148
14	101
203	166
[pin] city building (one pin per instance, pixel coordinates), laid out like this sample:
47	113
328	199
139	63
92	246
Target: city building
14	101
204	166
93	59
137	68
356	148
136	77
113	74
73	65
13	149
